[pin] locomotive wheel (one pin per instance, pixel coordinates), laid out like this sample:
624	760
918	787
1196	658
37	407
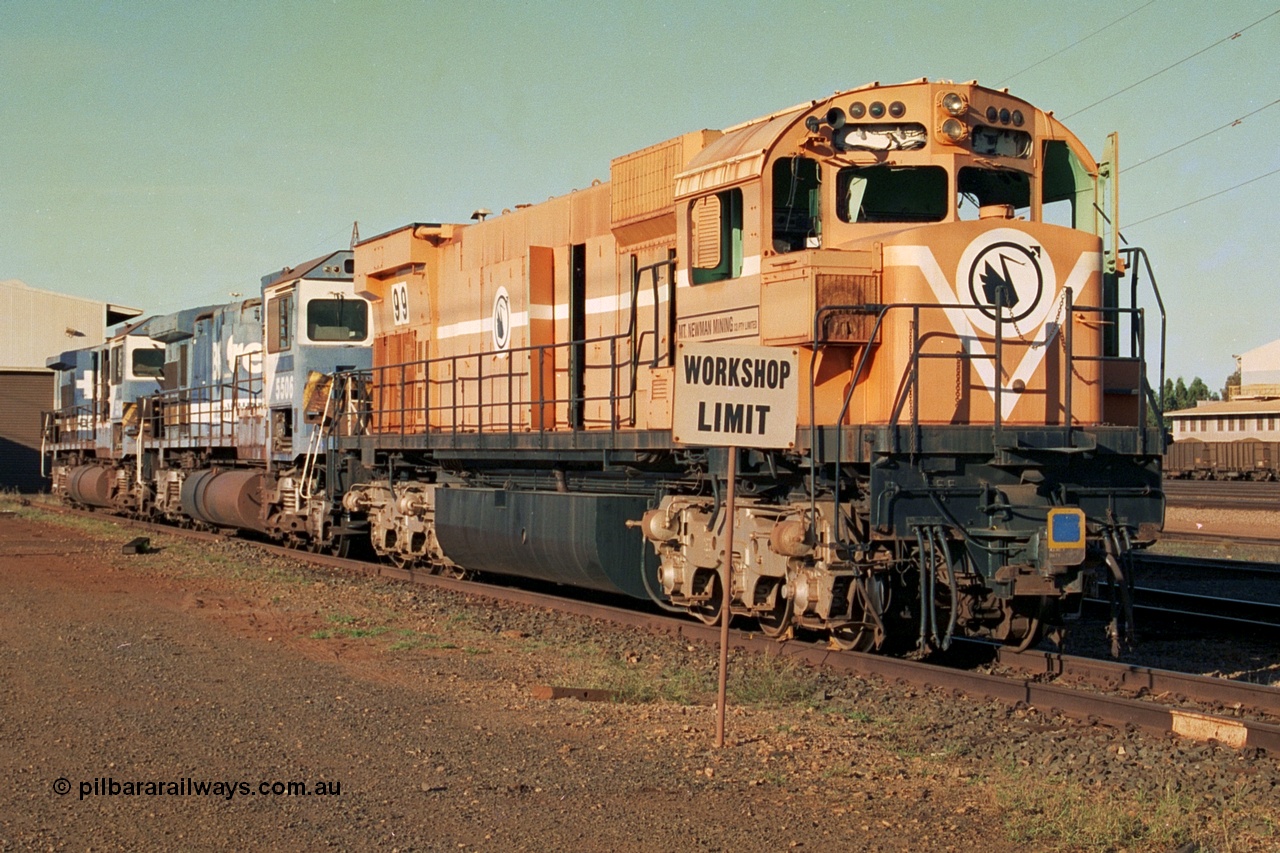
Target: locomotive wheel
870	602
454	572
709	612
1032	634
854	638
1025	629
340	547
777	622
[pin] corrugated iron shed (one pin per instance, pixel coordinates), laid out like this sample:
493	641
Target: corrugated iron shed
35	325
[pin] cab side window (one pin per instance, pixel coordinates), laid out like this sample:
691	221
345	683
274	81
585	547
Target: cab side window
716	231
797	222
280	323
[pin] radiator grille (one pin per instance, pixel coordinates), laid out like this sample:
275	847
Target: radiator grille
847	326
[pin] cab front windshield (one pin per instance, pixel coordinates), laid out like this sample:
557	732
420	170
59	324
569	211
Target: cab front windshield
892	194
148	363
920	193
337	320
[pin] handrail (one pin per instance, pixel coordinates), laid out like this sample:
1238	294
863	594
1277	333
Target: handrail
44	434
1136	258
389	409
314	445
909	381
204	411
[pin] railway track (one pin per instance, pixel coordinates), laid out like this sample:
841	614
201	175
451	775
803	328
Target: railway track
1219	539
1118	694
1222	494
1232	593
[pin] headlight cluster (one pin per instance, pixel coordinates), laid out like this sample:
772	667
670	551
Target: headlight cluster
1004	116
950	125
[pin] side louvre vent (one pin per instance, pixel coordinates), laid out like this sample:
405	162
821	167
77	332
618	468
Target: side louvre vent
847	327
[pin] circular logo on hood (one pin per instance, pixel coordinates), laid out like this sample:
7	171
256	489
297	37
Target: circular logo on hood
501	319
1008	269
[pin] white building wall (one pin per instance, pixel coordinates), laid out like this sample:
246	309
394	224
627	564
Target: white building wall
36	324
1261	365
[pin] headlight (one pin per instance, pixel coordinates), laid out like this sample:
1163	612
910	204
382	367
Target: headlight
955	104
955	130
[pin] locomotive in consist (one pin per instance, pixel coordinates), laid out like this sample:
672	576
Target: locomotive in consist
970	454
211	415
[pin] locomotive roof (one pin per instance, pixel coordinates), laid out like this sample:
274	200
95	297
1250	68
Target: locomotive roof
411	225
741	151
308	269
739	154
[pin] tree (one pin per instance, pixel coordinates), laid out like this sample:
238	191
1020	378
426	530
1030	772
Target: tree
1232	380
1179	395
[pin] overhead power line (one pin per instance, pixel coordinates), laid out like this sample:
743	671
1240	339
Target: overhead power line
1198	138
1234	35
1074	43
1204	198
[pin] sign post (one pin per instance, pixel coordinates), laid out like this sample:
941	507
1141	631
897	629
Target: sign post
734	396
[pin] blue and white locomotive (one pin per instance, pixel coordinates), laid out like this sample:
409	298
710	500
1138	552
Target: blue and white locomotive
215	416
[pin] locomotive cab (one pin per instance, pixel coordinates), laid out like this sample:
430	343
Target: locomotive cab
315	326
936	251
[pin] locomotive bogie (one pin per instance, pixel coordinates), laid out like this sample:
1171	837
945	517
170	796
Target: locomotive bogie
786	567
168	497
296	507
401	521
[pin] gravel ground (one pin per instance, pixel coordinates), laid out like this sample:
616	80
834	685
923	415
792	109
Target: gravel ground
211	662
1223	522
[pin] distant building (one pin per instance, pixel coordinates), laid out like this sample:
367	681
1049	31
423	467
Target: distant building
1227	420
34	325
1259	373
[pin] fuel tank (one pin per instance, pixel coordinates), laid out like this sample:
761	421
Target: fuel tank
569	538
89	484
224	498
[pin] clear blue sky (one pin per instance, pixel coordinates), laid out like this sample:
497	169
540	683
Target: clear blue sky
164	154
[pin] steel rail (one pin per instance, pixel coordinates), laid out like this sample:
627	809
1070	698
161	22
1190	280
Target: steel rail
1144	681
1222	494
1167	567
1217	538
1231	612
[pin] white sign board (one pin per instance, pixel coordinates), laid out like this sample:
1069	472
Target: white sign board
400	303
728	395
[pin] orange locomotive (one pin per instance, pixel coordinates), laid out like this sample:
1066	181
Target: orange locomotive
970	452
